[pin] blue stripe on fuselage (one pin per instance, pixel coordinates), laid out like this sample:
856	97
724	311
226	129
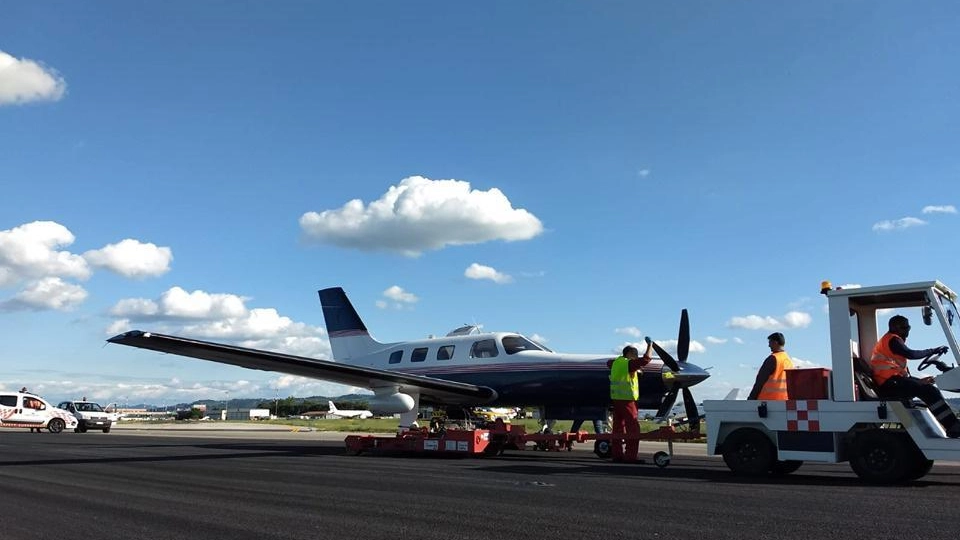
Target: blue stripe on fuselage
565	385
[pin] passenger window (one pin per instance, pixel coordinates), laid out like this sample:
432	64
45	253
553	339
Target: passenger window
31	403
8	401
485	348
396	356
445	352
419	354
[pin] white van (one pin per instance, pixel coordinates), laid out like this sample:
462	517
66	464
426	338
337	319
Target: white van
25	410
89	415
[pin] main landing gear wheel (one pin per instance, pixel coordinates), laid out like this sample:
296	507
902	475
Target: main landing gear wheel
749	452
883	457
603	449
56	425
661	459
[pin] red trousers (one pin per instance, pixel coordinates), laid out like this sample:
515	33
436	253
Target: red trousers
625	424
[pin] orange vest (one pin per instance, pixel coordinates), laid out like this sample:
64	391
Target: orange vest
775	388
885	364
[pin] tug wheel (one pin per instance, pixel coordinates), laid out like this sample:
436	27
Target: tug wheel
603	449
661	459
883	456
781	468
749	452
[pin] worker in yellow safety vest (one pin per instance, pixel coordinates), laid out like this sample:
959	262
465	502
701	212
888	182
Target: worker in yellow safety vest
893	379
771	383
624	392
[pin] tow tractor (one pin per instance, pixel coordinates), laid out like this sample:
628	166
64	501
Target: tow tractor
834	415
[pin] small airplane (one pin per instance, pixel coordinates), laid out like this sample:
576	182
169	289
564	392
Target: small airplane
348	413
465	368
680	411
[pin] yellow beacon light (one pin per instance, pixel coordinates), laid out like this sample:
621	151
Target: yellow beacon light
825	286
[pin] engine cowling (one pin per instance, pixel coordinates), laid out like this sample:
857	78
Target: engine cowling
395	403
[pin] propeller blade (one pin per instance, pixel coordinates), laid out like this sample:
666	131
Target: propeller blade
693	416
665	356
683	341
667	404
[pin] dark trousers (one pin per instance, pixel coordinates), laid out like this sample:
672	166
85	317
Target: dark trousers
625	425
898	387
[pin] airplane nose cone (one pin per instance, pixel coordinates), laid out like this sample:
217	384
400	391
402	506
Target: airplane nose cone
689	374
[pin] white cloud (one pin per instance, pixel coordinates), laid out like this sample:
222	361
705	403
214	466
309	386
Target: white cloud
670	345
797	319
132	258
793	319
738	341
898	224
220	317
44	294
539	339
632	331
422	214
716	340
643	173
479	271
945	209
131	391
397	294
176	303
31	251
397	298
801	363
24	81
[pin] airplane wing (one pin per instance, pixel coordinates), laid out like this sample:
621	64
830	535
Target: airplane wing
430	389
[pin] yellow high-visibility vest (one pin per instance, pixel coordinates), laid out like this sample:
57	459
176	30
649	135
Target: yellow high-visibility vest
624	385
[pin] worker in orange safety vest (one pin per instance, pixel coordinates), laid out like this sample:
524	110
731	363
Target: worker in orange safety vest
893	379
771	383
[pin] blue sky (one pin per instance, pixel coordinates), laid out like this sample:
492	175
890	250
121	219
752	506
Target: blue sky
574	171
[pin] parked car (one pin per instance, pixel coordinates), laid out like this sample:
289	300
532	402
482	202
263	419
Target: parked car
89	415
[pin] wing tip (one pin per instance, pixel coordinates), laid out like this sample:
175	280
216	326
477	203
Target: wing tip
120	338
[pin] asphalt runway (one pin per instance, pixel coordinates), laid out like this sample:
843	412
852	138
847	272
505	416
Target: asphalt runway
167	484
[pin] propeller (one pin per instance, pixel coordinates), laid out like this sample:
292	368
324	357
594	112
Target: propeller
676	386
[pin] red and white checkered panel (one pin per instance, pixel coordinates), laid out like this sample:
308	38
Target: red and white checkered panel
802	415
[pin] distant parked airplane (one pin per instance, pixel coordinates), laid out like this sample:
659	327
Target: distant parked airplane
348	414
679	411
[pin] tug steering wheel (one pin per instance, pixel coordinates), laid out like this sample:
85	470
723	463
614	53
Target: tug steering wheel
933	360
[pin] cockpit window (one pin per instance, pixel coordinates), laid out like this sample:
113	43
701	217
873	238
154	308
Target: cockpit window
485	348
515	344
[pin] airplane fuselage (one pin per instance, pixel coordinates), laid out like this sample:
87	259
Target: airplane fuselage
521	372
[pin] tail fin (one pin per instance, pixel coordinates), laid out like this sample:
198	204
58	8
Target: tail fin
733	394
348	335
332	407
